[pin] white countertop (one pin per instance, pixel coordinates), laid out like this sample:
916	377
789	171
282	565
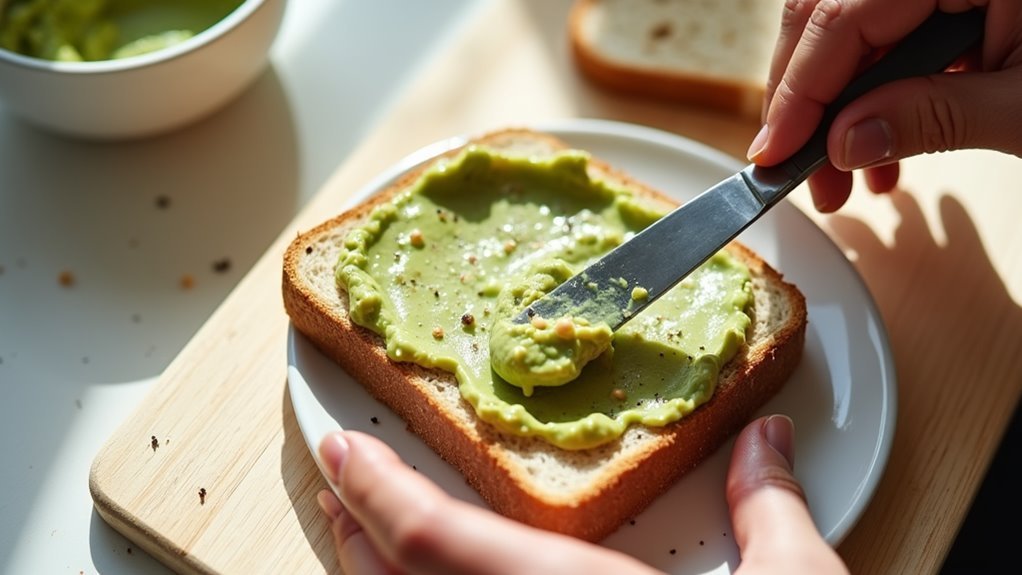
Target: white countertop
127	224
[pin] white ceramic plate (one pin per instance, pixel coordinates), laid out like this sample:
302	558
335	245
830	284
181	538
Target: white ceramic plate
841	397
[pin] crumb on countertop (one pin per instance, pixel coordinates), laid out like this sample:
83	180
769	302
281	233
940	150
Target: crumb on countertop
202	496
187	282
222	265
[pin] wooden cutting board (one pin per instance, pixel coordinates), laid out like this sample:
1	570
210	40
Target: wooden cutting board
222	418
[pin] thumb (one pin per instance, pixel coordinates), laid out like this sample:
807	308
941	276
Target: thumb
771	521
937	113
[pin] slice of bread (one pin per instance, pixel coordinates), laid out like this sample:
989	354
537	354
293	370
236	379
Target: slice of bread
713	53
586	493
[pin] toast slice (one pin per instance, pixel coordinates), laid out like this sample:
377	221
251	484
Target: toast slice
715	54
585	493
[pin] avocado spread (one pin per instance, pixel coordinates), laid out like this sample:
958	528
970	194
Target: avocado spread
86	30
439	270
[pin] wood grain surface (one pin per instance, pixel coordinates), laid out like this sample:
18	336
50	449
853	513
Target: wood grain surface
939	257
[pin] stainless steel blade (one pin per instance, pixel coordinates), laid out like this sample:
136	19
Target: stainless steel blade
659	256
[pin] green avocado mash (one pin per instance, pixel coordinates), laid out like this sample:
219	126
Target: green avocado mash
86	30
436	269
543	352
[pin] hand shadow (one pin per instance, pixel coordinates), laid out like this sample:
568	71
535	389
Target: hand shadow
950	319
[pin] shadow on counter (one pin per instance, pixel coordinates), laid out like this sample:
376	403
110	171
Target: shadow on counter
962	270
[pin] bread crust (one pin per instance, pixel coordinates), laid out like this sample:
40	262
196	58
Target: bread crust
730	95
621	478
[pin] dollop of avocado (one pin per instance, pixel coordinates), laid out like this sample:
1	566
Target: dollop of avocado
543	352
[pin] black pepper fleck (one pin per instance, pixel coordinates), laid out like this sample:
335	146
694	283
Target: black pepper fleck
202	496
673	551
375	420
468	319
222	265
155	443
308	249
162	202
632	522
701	542
529	312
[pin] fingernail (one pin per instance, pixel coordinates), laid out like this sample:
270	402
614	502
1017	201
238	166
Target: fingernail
758	143
867	143
329	504
333	451
779	432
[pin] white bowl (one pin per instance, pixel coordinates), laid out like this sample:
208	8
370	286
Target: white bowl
147	94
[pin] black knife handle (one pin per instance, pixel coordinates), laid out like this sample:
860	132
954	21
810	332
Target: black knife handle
929	49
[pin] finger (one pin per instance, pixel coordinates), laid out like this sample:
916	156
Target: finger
830	188
418	528
793	21
771	522
1000	41
884	178
399	510
837	36
932	114
355	550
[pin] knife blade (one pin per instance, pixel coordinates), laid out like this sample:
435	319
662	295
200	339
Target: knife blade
661	255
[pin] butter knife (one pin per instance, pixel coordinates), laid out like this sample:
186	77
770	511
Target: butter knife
662	254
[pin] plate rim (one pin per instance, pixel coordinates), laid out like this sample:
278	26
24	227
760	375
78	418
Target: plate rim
565	128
